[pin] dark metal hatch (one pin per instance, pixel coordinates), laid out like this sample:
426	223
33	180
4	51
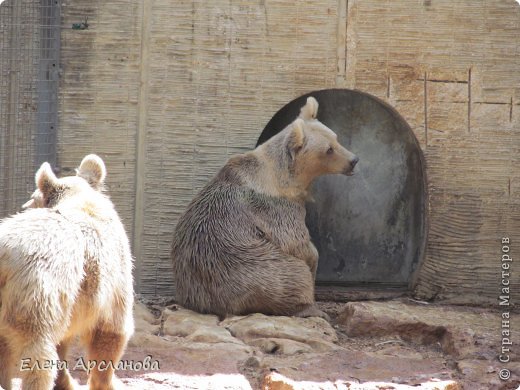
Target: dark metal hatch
370	229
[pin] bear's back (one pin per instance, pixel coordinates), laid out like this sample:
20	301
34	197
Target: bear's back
36	236
107	257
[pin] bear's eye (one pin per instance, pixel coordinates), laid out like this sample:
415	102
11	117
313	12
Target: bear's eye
330	150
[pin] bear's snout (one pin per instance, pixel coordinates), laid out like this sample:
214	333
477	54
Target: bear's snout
354	161
350	168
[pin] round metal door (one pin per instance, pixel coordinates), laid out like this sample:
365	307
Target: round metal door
370	228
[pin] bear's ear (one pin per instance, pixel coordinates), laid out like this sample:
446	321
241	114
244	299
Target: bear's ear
30	204
36	200
93	170
310	110
46	180
296	138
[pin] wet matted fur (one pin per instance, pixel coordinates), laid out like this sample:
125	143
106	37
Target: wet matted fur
242	245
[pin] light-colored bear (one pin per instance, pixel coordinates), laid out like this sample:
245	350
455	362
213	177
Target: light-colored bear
242	245
65	271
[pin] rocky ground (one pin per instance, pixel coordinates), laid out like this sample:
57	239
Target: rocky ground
398	344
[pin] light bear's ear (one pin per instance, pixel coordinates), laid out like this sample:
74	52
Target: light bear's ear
310	110
296	138
36	200
30	204
92	169
46	180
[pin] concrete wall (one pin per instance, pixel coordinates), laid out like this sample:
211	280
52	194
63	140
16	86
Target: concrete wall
167	91
19	55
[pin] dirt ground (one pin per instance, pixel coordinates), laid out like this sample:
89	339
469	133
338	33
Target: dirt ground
398	344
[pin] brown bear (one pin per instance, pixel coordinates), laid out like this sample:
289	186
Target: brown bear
65	271
242	245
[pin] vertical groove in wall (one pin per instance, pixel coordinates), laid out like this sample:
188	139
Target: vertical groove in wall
341	42
425	109
469	100
141	141
15	38
48	79
346	30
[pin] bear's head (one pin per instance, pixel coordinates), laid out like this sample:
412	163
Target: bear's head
313	148
90	176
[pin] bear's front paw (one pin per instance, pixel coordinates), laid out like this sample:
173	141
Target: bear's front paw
313	311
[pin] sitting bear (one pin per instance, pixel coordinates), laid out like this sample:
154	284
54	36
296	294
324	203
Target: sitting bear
65	271
242	245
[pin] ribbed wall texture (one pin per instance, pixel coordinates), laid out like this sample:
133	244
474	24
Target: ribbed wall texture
452	69
217	73
99	93
28	83
166	91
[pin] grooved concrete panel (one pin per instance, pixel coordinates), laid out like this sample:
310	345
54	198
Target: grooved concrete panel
217	72
98	93
452	70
